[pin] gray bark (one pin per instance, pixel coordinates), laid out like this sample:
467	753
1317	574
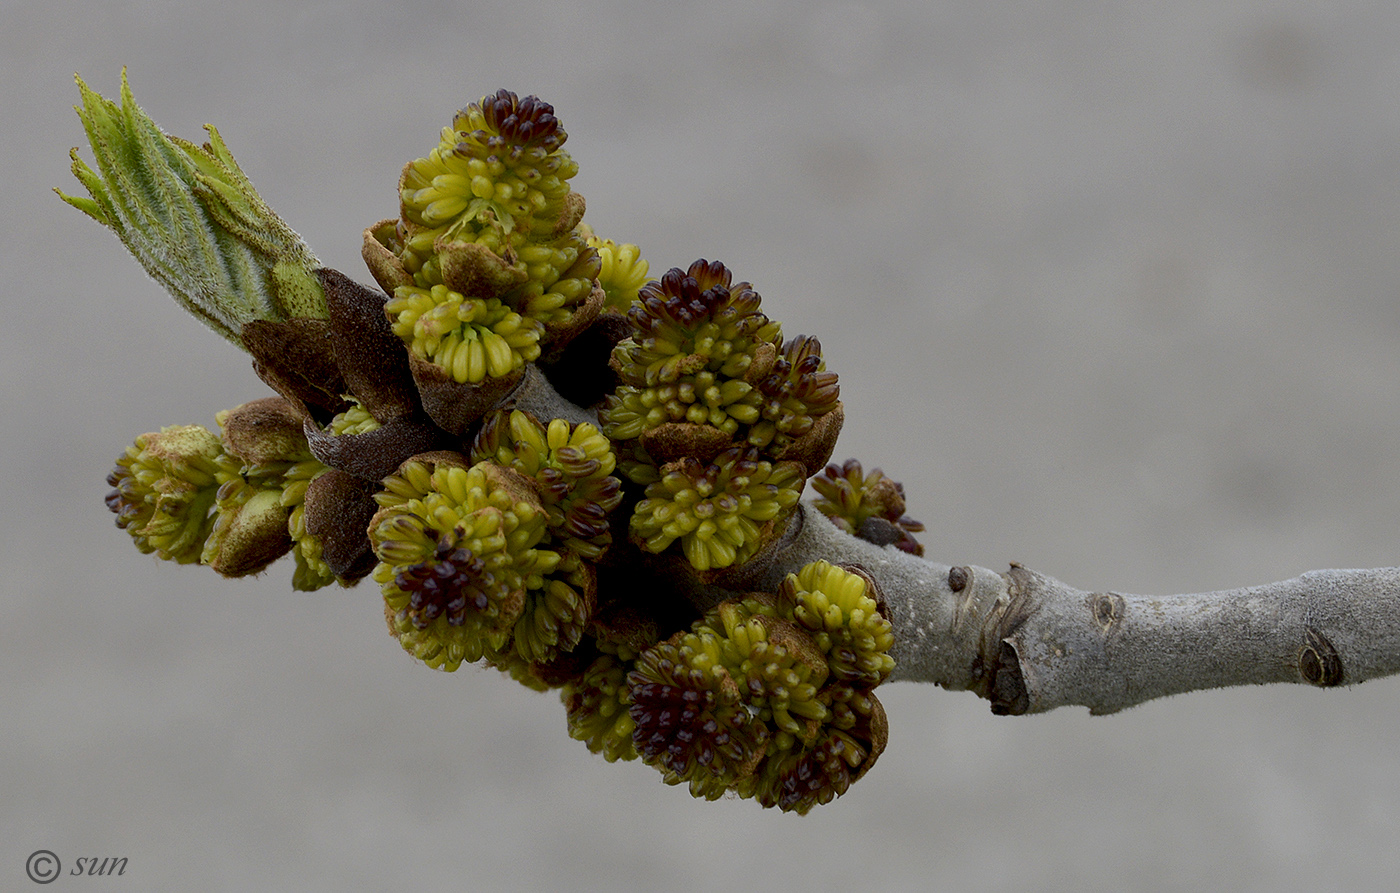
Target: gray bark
1029	643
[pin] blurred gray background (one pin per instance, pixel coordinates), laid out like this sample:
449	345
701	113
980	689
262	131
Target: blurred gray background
1111	287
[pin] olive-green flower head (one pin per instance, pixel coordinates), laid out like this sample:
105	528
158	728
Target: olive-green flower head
571	465
721	512
693	320
485	264
798	776
471	338
192	218
794	393
621	273
691	718
699	349
744	702
836	609
457	554
778	666
166	486
498	176
870	506
311	571
768	696
596	705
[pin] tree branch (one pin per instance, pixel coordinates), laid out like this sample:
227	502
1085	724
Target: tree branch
1029	643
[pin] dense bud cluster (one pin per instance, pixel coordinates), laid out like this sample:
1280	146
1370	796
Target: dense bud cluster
465	565
487	263
228	502
696	340
717	510
621	270
596	705
500	167
753	699
870	506
165	487
547	463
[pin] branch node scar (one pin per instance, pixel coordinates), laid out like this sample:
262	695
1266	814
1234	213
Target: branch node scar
1108	609
1319	661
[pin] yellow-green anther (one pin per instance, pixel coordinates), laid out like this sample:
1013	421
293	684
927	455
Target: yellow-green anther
552	621
166	486
459	551
471	338
596	704
832	604
777	666
716	510
622	271
558	284
354	420
794	392
311	571
192	219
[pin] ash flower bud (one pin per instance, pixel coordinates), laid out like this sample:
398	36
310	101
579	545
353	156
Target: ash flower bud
250	531
498	176
690	718
721	512
265	431
572	467
597	705
793	394
836	609
621	272
166	486
471	338
777	666
703	355
870	506
693	320
460	550
744	703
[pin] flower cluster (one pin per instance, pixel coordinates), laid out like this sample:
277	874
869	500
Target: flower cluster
870	506
596	704
165	486
710	397
696	338
770	697
621	270
462	561
572	467
718	510
233	503
477	434
486	264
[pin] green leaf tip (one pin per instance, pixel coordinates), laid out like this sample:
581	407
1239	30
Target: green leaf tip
192	219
